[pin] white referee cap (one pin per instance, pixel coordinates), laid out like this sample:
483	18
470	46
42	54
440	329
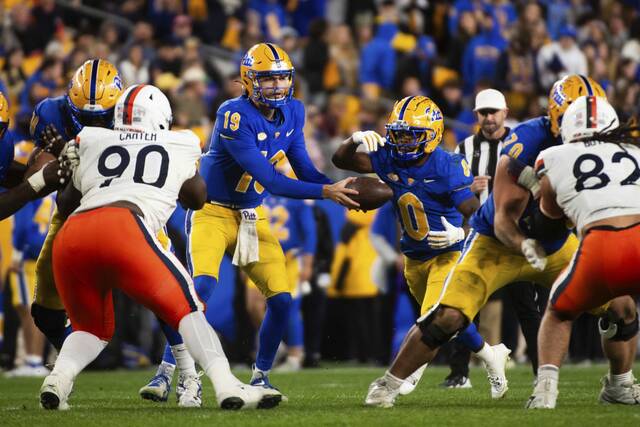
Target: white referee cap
490	98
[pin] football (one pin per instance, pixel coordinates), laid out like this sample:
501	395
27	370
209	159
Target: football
372	192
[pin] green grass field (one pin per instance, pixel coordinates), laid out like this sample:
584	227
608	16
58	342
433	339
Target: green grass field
331	396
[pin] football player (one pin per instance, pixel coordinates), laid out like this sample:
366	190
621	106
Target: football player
431	196
124	189
252	133
19	193
600	197
90	99
492	258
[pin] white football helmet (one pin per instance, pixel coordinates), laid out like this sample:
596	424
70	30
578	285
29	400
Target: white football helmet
586	116
144	107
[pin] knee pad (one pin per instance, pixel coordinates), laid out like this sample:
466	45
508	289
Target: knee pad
52	323
433	335
617	330
204	286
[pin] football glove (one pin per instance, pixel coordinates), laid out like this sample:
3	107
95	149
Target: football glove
534	254
443	239
370	139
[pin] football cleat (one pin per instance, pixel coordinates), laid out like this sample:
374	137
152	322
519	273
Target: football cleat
380	394
157	389
626	394
261	379
411	382
545	394
495	371
243	396
189	391
55	391
24	371
456	381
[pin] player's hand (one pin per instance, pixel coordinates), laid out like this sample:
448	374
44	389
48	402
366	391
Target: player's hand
53	175
480	183
340	194
443	239
369	138
69	157
534	253
54	143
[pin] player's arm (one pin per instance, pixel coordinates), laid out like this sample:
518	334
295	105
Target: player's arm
346	157
38	185
308	222
302	165
14	175
243	149
510	202
548	204
68	200
193	193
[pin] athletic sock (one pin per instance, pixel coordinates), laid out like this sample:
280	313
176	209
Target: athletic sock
548	372
471	338
272	330
184	361
485	353
621	379
392	381
78	350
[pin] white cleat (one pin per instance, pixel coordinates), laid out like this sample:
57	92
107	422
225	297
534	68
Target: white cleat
244	396
495	371
380	394
411	382
626	394
189	391
55	391
545	394
27	371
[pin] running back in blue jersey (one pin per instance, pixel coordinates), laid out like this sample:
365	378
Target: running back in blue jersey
422	194
6	154
293	223
54	111
31	224
524	143
245	146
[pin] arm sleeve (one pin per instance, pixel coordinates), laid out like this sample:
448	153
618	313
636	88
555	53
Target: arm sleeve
308	222
36	126
240	144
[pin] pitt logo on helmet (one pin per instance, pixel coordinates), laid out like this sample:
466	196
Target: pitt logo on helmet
414	128
567	90
93	92
262	61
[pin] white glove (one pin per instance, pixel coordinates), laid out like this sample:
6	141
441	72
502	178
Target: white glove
370	139
69	156
534	253
443	239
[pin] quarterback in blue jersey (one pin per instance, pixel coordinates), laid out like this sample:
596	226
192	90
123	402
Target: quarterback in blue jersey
431	195
251	134
18	193
90	100
486	263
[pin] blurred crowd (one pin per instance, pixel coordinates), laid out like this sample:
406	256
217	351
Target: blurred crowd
353	58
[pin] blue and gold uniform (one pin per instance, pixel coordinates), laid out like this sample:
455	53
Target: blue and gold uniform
31	224
486	264
90	100
423	192
6	158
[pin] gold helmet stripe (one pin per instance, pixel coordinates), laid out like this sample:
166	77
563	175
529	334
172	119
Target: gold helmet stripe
404	107
274	51
92	84
587	84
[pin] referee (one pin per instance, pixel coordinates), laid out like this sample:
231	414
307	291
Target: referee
482	152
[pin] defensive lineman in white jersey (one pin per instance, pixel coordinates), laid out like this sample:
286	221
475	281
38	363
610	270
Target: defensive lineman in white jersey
593	179
124	189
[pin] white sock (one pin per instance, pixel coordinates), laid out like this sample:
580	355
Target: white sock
620	379
204	345
548	372
184	361
33	360
392	381
79	349
486	353
418	373
166	369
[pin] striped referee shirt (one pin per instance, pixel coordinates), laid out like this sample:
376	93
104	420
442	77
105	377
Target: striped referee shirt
482	154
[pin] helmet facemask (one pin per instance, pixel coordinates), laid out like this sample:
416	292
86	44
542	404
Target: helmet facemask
268	96
407	143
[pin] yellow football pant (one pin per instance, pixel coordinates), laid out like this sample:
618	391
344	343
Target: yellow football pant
426	278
